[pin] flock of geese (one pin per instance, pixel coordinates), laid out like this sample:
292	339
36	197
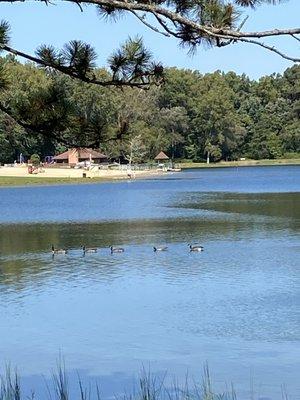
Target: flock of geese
192	247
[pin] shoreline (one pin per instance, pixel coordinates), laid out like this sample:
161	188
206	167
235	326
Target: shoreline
246	163
19	177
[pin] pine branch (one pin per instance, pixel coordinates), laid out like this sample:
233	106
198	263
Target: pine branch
189	26
152	7
270	48
32	129
295	37
70	72
177	17
165	26
153	28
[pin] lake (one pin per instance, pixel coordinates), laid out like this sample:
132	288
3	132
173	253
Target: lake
235	305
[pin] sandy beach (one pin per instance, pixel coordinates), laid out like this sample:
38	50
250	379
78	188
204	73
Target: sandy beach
72	173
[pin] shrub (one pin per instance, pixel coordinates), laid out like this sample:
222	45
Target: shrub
35	159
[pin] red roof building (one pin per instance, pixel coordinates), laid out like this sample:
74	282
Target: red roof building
80	154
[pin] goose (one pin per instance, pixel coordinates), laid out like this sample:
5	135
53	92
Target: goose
89	249
116	249
162	248
58	251
194	247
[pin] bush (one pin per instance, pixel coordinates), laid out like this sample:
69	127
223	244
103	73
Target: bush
291	156
35	159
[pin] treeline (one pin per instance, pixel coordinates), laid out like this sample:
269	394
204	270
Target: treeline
225	115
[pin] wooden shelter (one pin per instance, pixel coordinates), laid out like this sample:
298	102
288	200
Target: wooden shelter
81	154
161	157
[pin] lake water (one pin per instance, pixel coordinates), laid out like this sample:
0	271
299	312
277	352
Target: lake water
235	305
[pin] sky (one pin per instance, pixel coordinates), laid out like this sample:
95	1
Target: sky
34	23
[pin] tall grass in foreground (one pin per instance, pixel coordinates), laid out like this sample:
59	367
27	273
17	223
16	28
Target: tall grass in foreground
149	387
10	385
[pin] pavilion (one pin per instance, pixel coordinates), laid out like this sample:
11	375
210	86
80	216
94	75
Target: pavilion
80	154
161	157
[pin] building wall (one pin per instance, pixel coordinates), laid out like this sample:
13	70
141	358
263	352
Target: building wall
73	156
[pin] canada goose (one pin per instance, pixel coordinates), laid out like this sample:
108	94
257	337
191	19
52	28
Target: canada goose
89	249
58	251
162	248
116	249
194	247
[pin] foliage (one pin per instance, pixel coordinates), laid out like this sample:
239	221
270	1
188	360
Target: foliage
226	115
35	159
147	387
193	23
60	99
136	149
132	65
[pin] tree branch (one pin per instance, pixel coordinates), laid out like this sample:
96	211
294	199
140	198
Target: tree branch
295	37
173	16
166	13
72	74
153	28
130	5
270	48
31	128
165	26
208	31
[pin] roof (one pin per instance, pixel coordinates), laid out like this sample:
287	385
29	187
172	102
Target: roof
87	153
62	156
82	153
161	156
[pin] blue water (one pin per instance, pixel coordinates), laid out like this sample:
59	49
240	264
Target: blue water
236	305
139	199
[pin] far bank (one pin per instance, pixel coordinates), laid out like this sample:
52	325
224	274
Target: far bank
241	163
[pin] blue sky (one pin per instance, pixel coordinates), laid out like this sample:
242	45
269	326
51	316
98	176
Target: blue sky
33	24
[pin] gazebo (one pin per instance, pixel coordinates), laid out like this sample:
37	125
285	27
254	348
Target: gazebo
161	157
162	161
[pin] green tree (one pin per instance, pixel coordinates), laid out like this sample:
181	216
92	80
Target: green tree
215	121
227	115
175	124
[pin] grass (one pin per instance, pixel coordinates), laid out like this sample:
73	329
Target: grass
10	388
38	181
246	163
149	387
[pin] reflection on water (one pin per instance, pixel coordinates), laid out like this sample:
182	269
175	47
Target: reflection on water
284	205
235	304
